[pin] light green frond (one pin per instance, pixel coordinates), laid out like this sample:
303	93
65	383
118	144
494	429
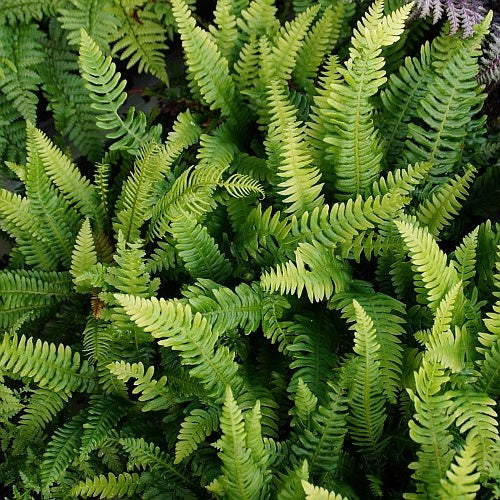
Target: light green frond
288	42
102	416
430	429
259	453
177	327
240	185
402	181
54	367
465	257
225	31
163	257
433	277
195	428
317	493
438	210
130	274
133	207
199	251
273	308
97	17
258	19
462	480
61	451
366	397
124	485
285	144
207	67
84	257
107	90
289	486
318	43
342	222
150	390
31	294
315	269
246	68
227	308
242	477
15	216
141	42
22	46
354	142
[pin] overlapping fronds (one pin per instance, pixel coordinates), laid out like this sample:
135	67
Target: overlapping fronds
177	327
317	493
354	143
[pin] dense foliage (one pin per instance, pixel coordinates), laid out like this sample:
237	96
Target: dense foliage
291	291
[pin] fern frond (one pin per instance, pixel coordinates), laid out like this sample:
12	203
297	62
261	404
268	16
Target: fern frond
438	210
103	413
48	365
300	187
317	44
430	429
195	428
198	250
31	294
387	315
225	32
402	181
84	257
289	485
23	11
22	46
240	185
106	89
110	486
177	327
451	99
227	308
287	44
317	493
461	479
98	18
433	277
465	257
61	451
207	67
315	269
354	143
141	41
401	99
259	18
366	398
98	338
305	402
241	475
44	404
273	308
150	390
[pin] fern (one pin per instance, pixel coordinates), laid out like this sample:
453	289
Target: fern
109	486
106	89
22	46
317	493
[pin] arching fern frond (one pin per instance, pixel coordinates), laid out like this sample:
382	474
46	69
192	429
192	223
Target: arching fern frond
54	367
198	250
106	89
110	486
151	391
31	294
354	142
195	428
315	269
438	210
433	277
141	41
177	327
83	258
465	257
207	67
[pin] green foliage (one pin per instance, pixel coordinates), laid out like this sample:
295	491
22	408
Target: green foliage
272	280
